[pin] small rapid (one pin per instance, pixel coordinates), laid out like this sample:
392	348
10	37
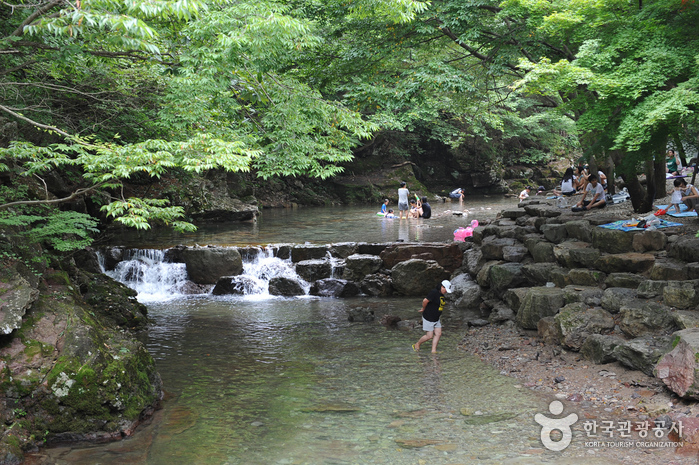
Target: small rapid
156	278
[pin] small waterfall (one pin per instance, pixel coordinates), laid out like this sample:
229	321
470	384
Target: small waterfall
146	272
264	266
155	279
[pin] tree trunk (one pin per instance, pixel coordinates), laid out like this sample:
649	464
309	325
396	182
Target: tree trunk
680	149
636	191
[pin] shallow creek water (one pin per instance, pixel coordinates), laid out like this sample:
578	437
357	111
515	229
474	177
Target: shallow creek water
284	381
259	379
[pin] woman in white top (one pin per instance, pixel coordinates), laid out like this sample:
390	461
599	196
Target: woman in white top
567	184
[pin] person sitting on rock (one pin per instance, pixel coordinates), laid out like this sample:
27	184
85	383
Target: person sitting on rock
599	200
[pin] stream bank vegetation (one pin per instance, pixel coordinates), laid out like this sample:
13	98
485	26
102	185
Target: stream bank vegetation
101	96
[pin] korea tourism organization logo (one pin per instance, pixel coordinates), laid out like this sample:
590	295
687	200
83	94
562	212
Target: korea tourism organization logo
606	433
549	425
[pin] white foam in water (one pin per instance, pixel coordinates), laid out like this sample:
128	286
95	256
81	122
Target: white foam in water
264	267
155	280
145	272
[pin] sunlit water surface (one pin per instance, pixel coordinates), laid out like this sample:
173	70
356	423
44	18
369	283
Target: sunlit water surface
322	225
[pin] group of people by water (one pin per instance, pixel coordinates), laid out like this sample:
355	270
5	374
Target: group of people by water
580	181
417	207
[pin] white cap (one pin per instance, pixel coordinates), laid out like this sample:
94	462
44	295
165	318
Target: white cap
447	285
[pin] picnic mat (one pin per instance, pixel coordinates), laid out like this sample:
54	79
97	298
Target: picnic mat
630	225
683	211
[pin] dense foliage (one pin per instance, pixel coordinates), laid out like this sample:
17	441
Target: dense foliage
111	90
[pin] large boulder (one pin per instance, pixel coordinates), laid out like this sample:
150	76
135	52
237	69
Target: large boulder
483	276
493	247
555	233
506	276
578	321
448	256
686	319
642	353
538	274
612	241
466	293
237	285
473	261
515	253
685	248
649	288
586	277
417	277
649	318
584	256
514	297
117	301
615	263
358	266
549	330
628	280
284	286
500	314
616	297
343	249
303	252
681	294
599	348
668	270
539	302
589	295
378	285
68	373
562	252
313	270
649	241
542	252
332	287
678	368
205	265
580	230
16	296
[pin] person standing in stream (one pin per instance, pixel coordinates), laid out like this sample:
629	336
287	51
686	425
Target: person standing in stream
431	310
403	206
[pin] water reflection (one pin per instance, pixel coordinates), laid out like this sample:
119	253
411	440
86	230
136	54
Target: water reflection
322	225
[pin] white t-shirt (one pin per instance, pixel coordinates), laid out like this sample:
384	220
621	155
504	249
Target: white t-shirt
403	195
596	190
567	186
524	195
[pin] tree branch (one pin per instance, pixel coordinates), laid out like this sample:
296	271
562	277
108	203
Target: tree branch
20	30
34	123
74	195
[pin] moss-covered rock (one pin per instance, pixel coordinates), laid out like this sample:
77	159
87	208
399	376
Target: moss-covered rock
70	372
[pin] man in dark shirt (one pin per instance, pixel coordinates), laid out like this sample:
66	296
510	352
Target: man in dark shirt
431	310
426	209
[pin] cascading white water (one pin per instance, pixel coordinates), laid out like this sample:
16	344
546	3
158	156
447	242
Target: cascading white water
147	272
264	267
